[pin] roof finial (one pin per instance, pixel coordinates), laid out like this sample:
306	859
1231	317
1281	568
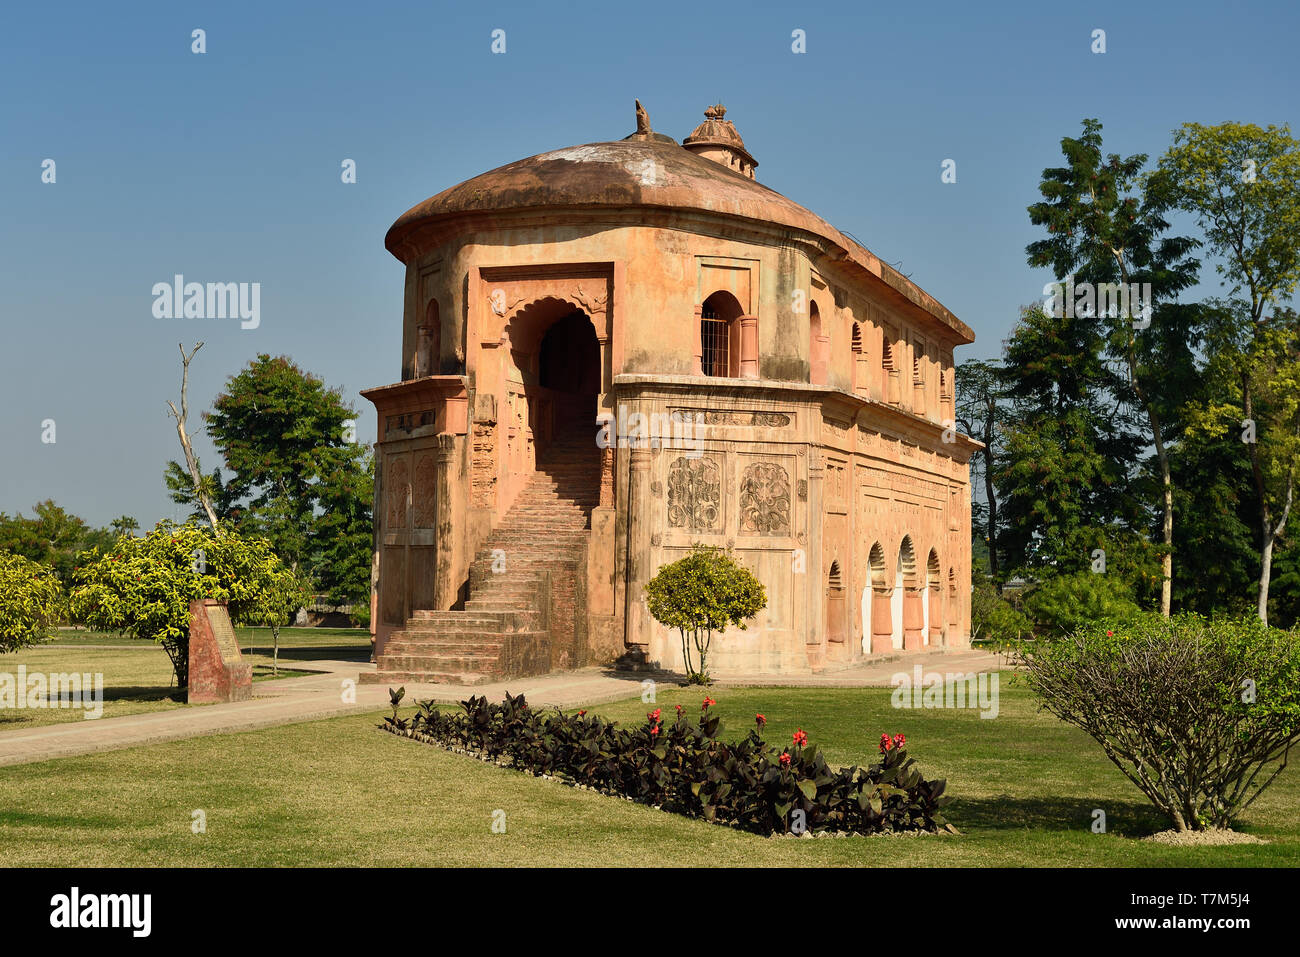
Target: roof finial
642	119
716	112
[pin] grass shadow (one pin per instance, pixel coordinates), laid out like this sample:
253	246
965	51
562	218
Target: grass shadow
1007	813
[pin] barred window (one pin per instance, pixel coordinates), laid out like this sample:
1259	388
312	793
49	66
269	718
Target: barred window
715	341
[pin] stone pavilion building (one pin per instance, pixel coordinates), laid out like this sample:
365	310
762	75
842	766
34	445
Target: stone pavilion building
615	350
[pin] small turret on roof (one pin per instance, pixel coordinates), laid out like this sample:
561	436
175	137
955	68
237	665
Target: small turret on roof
717	139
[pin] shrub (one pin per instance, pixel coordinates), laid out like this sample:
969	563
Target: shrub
684	767
1063	604
1199	715
143	586
702	593
31	602
992	617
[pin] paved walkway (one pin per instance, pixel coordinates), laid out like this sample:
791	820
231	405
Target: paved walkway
334	692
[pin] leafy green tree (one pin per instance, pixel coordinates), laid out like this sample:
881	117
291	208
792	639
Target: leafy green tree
1255	400
702	593
1062	604
1106	227
993	617
980	411
293	475
342	538
285	591
1069	449
53	536
1242	183
143	587
32	602
124	525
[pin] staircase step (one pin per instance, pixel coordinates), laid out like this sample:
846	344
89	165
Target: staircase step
424	677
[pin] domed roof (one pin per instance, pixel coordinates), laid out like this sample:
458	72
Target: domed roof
642	171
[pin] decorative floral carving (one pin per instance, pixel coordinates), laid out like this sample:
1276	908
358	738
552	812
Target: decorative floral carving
423	492
694	493
765	500
770	420
399	493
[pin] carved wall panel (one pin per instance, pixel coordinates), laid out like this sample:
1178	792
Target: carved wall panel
694	493
765	500
423	492
399	492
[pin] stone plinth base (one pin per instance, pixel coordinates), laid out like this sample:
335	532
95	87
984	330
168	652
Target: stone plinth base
217	669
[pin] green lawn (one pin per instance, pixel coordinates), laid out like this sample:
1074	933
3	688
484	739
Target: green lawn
340	792
138	674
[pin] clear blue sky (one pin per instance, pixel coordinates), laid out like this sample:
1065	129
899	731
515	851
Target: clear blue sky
225	166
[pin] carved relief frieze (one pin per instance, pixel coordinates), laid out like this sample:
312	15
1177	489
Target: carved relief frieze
765	420
506	297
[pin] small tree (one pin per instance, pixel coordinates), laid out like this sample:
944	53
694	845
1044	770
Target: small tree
286	590
1199	715
702	593
143	586
31	602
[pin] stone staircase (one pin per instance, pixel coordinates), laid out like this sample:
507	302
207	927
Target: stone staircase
523	615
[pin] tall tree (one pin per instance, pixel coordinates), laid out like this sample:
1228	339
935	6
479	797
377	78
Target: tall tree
1069	447
1106	227
1242	183
296	475
980	411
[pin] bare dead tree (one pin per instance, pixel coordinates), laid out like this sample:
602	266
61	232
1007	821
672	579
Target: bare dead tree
192	463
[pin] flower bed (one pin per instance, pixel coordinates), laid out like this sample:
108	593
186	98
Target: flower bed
682	766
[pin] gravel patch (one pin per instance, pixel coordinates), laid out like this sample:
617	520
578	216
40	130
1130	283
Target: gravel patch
1211	838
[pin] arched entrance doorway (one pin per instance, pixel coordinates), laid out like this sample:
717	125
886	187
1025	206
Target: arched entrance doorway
552	385
569	364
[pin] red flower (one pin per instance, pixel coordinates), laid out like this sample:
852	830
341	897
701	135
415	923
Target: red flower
654	732
707	703
785	759
679	709
800	738
654	715
900	740
1110	634
885	743
760	719
582	714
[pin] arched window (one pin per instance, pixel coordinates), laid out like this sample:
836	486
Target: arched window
720	335
819	347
